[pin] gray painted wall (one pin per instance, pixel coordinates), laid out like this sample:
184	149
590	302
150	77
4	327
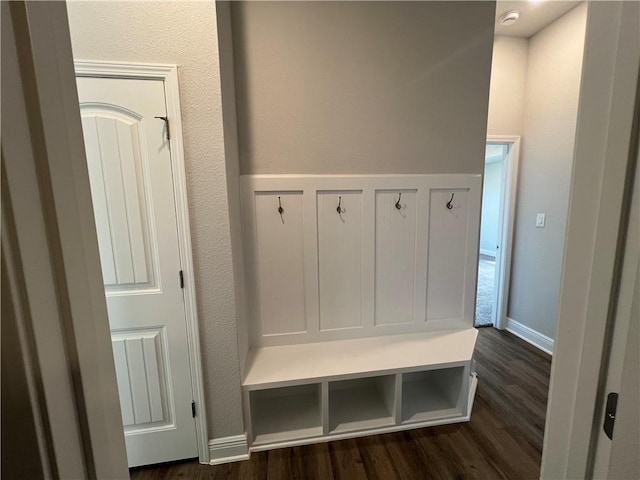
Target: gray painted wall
185	33
362	87
508	84
551	106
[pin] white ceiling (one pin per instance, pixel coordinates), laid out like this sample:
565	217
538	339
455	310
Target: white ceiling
534	15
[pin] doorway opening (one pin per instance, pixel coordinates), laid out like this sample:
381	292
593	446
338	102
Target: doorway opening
489	232
496	230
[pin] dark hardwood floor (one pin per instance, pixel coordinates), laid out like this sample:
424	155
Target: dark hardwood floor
502	440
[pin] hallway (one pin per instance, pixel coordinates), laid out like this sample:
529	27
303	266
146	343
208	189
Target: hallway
502	440
484	298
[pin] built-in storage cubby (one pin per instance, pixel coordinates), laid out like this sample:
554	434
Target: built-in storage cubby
286	413
298	394
361	403
433	394
360	303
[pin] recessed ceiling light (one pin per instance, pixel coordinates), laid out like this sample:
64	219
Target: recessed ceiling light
509	18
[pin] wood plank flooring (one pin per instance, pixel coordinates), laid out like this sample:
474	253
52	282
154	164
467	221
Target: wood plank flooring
503	440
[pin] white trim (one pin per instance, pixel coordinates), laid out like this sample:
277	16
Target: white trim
488	253
168	74
507	216
529	335
599	181
91	68
228	449
47	213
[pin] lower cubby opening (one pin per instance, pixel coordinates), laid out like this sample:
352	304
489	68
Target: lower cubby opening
286	413
361	404
432	394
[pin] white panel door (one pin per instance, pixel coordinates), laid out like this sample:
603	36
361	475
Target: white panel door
132	190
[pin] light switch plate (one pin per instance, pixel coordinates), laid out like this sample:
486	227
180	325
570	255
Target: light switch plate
541	220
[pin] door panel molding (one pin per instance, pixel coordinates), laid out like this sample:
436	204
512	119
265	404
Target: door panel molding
169	76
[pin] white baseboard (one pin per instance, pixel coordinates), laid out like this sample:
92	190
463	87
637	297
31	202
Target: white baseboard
228	449
529	335
488	253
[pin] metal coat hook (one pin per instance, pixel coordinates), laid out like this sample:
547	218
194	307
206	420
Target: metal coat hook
449	204
398	205
280	210
339	209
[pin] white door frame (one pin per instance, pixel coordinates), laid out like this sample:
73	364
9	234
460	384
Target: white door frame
168	74
49	241
599	182
508	188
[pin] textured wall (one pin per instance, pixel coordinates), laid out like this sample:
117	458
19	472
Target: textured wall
551	108
225	46
508	83
185	33
362	87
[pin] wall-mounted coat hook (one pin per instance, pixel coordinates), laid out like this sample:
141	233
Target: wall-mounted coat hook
340	209
280	210
398	205
449	204
166	124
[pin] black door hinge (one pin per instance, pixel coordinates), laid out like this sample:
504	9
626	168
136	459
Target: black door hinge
193	409
166	124
181	279
610	414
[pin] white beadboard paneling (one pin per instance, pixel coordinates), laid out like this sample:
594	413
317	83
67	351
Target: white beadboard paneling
150	349
141	377
115	156
280	248
395	260
130	157
340	259
111	166
124	382
99	197
138	378
447	254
